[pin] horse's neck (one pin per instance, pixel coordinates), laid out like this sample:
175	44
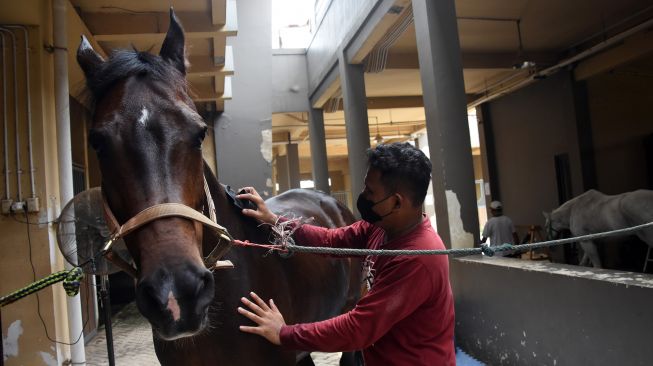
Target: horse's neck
583	202
227	215
562	215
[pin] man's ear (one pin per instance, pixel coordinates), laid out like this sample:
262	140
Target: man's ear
400	200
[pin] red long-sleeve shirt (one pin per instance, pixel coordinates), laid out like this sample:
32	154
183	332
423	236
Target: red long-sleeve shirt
407	318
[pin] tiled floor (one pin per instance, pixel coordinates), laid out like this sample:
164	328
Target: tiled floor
132	343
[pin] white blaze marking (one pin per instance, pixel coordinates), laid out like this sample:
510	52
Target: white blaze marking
173	306
143	118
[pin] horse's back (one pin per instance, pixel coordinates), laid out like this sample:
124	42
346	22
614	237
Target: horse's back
637	208
305	203
594	211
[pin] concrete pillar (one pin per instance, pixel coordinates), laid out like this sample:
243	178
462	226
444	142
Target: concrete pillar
282	173
352	84
243	132
446	122
65	160
319	159
293	165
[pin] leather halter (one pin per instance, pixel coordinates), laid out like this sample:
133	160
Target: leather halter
163	210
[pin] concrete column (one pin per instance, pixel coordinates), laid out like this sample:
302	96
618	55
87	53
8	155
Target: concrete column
243	132
319	159
282	173
352	84
446	121
293	165
65	160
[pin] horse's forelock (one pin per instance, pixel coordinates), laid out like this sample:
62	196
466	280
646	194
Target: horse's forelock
125	63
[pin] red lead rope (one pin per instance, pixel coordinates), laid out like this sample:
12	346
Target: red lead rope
246	243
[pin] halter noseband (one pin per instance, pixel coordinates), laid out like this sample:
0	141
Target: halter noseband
163	210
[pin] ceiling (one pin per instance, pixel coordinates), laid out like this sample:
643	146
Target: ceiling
142	24
489	32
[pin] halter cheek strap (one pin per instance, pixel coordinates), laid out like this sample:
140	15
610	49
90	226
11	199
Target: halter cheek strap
164	210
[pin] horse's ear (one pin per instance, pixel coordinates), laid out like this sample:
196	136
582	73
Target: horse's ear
173	45
546	215
87	58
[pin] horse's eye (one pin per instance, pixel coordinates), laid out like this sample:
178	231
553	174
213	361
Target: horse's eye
96	140
200	136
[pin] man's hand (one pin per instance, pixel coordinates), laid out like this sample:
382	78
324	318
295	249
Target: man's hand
263	214
268	318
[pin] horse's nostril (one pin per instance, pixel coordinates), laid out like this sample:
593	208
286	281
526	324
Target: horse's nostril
206	282
150	297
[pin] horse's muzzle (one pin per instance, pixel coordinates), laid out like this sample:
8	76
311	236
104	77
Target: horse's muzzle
176	301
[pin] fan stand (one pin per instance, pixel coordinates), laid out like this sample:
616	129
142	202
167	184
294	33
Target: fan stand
2	350
105	302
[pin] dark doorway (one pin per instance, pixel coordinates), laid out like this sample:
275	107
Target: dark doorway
563	177
648	151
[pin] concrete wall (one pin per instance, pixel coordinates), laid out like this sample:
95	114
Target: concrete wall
513	312
530	127
336	28
620	111
289	81
243	133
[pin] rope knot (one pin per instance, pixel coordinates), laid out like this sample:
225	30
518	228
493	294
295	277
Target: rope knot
487	250
72	280
490	251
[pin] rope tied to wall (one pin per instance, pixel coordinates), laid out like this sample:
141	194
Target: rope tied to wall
71	282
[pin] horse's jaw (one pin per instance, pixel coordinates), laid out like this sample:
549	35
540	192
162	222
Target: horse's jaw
176	300
172	334
179	336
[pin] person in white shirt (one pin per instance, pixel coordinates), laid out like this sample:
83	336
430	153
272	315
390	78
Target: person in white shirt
499	229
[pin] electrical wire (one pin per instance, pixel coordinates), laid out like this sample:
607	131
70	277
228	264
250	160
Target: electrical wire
38	300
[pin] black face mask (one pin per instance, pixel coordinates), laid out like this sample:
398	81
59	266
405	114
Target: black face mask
365	208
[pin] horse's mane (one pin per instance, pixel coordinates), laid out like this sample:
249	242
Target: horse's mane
122	64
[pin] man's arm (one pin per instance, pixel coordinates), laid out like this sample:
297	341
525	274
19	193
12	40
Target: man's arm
262	213
486	232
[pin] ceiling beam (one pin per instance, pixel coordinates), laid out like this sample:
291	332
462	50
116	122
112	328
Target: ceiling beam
105	24
218	12
475	60
203	66
325	90
379	22
398	102
633	48
205	93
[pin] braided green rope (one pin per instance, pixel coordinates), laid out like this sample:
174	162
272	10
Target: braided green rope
485	249
71	281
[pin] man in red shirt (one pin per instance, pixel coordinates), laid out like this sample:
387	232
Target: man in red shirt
407	317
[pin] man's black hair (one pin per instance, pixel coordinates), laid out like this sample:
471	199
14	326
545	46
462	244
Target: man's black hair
403	167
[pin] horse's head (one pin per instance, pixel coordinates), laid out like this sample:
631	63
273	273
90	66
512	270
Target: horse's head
553	225
148	135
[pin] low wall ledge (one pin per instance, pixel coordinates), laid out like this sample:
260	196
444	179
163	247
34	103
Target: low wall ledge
558	269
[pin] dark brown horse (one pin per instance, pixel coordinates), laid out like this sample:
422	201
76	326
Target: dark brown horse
147	136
